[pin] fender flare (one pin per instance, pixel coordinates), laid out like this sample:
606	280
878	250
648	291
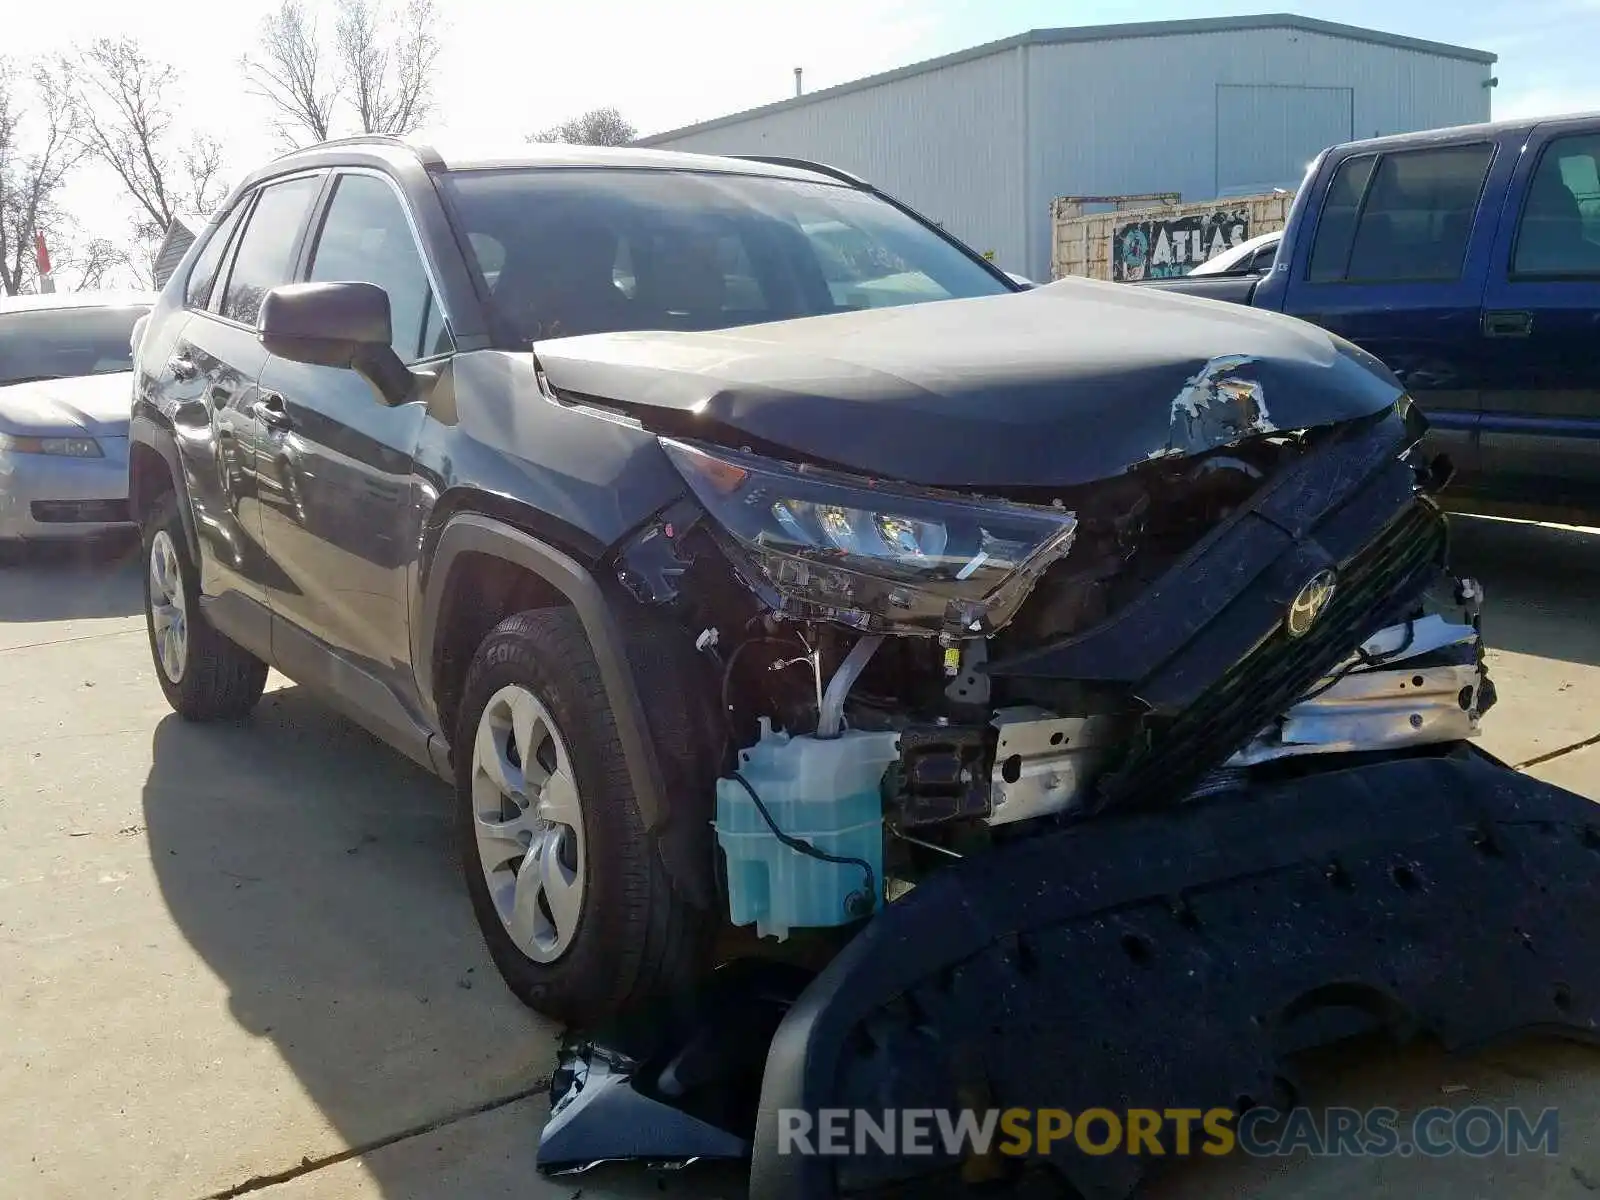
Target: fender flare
153	435
472	533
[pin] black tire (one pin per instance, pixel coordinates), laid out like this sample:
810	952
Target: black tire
219	680
638	941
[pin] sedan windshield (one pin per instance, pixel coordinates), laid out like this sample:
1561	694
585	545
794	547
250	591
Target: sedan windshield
54	343
569	251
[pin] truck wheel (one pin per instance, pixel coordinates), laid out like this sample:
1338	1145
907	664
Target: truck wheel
577	909
205	676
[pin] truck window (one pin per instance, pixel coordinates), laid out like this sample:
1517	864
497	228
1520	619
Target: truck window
1330	253
1416	220
1558	233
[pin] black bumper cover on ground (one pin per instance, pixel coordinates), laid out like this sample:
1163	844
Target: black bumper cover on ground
1174	959
1163	960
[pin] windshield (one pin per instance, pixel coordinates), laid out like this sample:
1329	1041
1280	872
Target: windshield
571	251
53	343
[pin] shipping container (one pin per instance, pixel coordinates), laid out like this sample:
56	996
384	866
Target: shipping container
1155	242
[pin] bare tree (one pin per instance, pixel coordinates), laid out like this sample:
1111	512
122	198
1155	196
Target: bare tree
391	80
93	261
385	78
292	74
36	157
122	106
597	127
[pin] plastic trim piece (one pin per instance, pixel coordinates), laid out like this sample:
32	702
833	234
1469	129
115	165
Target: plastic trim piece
471	533
144	430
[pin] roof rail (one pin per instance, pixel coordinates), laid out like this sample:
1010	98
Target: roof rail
429	156
803	164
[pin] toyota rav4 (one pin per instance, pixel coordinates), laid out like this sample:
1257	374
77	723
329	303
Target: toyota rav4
745	549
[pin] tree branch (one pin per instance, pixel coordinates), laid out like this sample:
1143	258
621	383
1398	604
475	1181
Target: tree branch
597	127
290	75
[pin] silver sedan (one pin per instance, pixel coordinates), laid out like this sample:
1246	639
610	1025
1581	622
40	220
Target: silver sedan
66	386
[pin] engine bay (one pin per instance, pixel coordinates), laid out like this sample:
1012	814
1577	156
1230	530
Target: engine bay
1128	658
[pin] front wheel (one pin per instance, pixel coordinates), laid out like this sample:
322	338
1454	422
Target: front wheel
569	891
204	676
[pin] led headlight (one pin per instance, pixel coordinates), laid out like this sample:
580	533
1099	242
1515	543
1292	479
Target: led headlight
876	556
65	447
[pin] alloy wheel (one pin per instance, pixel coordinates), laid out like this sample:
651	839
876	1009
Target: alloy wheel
169	614
529	823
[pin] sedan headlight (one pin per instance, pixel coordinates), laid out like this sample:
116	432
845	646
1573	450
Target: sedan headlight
65	447
875	556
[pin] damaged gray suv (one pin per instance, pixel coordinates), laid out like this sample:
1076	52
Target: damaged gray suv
747	551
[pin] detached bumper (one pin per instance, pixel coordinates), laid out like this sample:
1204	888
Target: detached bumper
44	496
1172	960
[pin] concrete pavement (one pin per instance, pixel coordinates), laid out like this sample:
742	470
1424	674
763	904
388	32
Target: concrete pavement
239	960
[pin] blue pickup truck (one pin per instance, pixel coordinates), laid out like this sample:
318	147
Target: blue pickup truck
1468	259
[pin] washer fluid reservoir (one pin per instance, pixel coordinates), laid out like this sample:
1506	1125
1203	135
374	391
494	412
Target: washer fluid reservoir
822	791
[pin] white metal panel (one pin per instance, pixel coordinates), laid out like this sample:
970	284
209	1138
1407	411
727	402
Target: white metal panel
984	141
1140	115
1263	131
948	142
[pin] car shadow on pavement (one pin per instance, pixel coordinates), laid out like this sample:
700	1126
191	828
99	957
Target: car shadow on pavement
1539	583
314	872
71	581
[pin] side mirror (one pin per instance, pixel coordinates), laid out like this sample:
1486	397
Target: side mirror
344	325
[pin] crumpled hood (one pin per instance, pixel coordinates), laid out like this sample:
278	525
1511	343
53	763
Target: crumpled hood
1065	384
99	405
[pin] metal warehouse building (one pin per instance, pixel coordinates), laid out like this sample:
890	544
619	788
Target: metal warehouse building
981	141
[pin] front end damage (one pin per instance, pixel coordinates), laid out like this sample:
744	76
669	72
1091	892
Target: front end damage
1052	767
1054	656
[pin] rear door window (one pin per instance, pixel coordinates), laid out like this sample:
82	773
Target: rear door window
1558	232
1414	222
266	255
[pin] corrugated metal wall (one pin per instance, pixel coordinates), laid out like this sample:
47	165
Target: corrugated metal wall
1282	120
948	143
1144	114
984	145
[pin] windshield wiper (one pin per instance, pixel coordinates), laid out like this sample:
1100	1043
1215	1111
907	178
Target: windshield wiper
29	379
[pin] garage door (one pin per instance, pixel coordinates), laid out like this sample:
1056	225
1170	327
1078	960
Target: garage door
1266	134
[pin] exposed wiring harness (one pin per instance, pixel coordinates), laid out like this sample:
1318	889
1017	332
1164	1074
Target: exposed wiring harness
1363	659
728	733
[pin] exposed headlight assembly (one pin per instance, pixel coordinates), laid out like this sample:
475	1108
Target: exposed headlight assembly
878	557
64	447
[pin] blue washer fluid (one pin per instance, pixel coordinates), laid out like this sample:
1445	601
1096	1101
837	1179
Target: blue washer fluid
822	791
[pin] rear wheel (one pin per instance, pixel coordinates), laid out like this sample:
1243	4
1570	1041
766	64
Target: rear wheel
204	676
569	890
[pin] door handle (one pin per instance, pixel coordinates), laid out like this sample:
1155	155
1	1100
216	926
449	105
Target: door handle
1507	324
182	367
269	410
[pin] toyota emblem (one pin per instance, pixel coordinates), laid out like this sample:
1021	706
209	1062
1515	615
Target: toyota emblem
1309	603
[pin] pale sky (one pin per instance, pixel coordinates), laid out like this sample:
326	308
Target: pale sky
509	67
